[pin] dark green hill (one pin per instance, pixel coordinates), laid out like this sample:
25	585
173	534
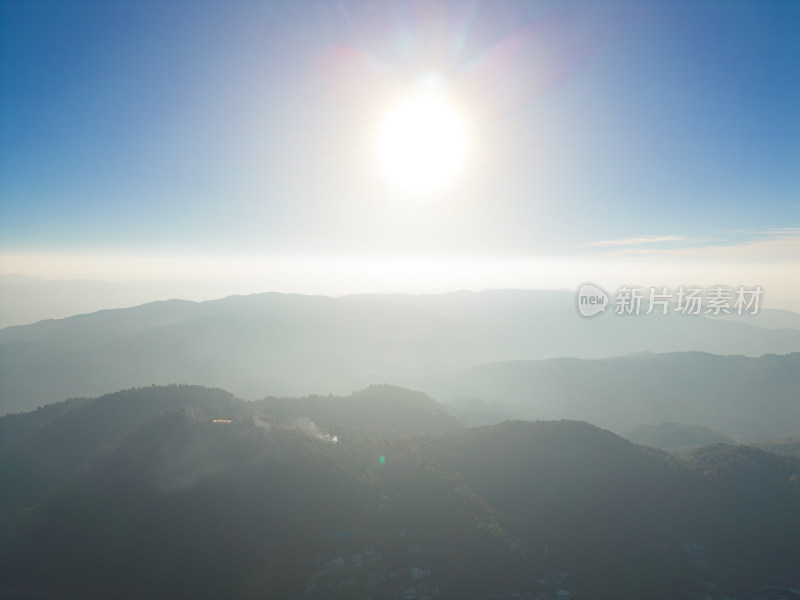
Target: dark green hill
187	509
615	511
582	499
121	505
749	507
380	410
16	427
46	447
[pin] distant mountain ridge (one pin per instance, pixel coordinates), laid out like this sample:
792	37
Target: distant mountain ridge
745	398
293	345
26	300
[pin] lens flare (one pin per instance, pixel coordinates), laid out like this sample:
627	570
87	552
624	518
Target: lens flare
422	142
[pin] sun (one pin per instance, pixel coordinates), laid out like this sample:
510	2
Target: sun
422	142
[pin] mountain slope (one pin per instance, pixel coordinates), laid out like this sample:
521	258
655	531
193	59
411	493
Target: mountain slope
617	512
744	398
47	447
183	506
180	506
192	510
269	343
381	410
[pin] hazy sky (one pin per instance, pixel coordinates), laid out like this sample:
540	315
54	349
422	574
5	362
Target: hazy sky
606	141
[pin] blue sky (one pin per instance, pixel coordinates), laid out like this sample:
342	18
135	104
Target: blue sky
625	131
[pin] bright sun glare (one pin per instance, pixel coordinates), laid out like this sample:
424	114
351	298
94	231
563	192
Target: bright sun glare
422	142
